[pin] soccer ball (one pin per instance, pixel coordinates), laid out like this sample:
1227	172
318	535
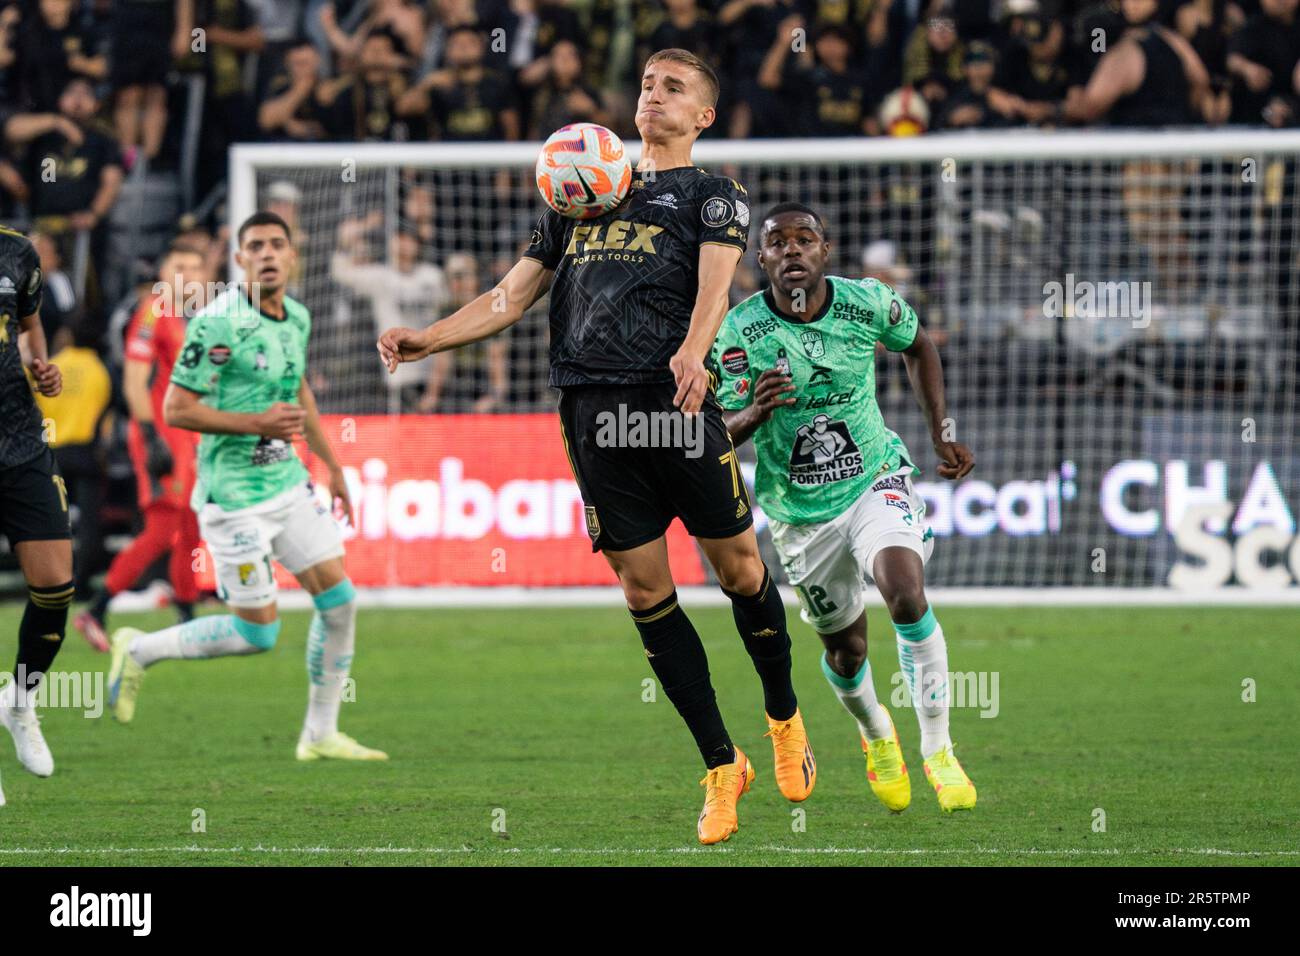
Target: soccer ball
583	171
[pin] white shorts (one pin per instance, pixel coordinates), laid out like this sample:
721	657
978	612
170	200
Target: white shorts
293	528
828	563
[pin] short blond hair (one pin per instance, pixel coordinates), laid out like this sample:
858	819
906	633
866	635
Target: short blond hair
689	59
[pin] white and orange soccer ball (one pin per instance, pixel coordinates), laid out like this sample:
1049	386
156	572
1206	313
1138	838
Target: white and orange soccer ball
583	171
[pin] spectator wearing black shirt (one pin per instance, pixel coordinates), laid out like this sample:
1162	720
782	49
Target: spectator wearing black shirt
52	49
1151	78
973	103
1032	71
551	21
362	105
1262	60
750	28
74	177
292	109
828	97
564	98
684	27
466	101
932	62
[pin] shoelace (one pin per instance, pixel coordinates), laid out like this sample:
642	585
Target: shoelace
783	735
718	781
942	766
885	758
30	721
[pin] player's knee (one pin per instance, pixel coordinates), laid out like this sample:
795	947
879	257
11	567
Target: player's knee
906	602
342	595
261	634
846	660
643	594
743	576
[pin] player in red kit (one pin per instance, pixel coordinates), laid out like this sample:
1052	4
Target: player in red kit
163	457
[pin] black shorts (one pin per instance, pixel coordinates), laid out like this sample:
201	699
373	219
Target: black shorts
640	463
140	58
34	501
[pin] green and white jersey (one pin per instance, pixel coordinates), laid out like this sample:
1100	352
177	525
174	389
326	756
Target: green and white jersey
817	456
241	360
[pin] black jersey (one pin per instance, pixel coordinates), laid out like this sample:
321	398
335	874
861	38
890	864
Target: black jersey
20	295
625	282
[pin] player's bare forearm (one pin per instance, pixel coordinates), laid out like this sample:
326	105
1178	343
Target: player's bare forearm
772	390
184	409
717	268
492	312
741	424
33	338
135	388
313	431
925	372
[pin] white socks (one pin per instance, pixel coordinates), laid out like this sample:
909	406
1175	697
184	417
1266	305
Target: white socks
216	635
923	656
330	643
858	695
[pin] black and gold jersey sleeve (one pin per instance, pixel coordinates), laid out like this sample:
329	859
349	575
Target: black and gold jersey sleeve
547	241
21	434
30	287
724	212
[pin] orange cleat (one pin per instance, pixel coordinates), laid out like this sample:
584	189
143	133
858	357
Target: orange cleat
796	769
722	789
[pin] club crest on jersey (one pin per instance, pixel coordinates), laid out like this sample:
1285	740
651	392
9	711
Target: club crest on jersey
717	212
735	361
593	523
813	346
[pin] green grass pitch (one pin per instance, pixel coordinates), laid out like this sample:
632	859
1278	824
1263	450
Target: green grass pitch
520	736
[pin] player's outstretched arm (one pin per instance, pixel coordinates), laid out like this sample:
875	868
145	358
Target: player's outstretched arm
925	371
492	312
183	408
717	268
319	444
771	391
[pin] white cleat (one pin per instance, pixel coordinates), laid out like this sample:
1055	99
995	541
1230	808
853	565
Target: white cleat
25	726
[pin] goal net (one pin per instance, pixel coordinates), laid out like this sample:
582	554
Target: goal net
1118	315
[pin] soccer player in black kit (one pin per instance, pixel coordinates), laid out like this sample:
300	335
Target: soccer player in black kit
33	500
637	297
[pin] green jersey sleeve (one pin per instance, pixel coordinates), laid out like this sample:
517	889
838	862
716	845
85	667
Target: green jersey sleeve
898	318
205	352
730	363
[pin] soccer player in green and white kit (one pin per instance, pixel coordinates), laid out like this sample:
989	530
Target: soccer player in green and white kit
240	381
796	367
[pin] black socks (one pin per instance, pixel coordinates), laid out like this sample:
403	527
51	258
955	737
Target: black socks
677	657
760	619
41	633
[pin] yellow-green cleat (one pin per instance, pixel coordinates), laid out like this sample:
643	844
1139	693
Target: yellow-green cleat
337	746
124	676
886	770
953	788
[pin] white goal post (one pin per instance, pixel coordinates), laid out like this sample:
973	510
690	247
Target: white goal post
1118	314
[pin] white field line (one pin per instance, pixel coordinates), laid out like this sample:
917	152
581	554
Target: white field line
698	596
635	851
